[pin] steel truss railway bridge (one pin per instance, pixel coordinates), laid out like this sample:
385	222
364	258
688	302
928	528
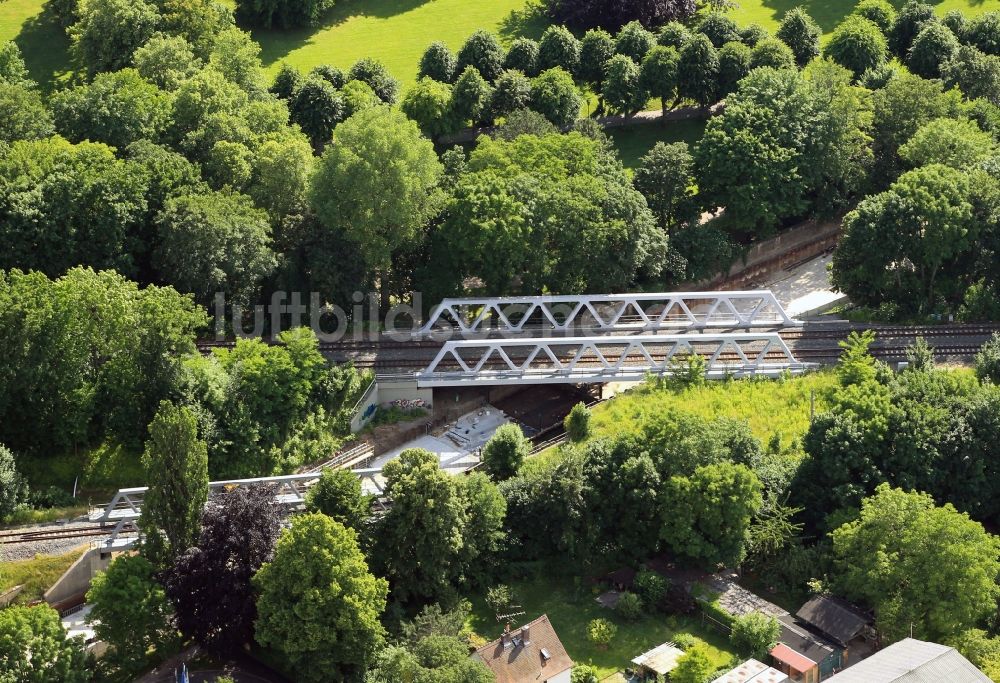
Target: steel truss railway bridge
534	340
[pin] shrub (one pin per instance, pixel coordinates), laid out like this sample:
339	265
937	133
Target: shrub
693	667
601	632
754	634
583	673
629	606
577	423
988	361
651	587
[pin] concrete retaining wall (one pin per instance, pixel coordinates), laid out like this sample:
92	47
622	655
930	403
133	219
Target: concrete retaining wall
76	580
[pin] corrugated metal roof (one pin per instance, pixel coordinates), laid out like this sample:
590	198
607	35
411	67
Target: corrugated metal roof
785	654
912	661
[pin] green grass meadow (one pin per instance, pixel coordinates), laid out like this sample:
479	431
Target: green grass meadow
396	32
634	141
570	612
770	407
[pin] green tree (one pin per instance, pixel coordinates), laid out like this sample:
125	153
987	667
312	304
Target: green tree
908	23
13	488
522	55
63	205
482	51
176	466
506	450
282	14
755	634
556	97
428	103
319	605
801	33
420	539
673	34
584	673
34	648
719	28
665	177
317	107
338	495
634	41
12	67
511	92
983	32
23	114
577	423
694	666
601	632
329	73
377	153
751	34
706	516
214	242
954	143
358	96
933	47
286	82
734	65
483	535
623	89
166	61
469	97
280	172
698	71
117	108
879	12
988	361
929	219
558	48
596	48
772	53
438	63
375	74
130	612
110	31
922	587
858	45
976	74
658	75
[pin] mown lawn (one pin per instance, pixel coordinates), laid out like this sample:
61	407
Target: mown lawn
396	32
37	574
43	42
570	614
634	141
770	407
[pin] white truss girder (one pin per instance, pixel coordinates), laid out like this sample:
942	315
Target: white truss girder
578	360
514	315
289	492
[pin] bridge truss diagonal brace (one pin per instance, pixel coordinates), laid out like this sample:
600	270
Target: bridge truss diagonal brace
577	360
514	315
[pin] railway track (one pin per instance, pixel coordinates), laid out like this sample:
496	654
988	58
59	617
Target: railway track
15	536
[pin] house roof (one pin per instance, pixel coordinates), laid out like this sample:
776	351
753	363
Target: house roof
835	618
752	671
662	659
912	661
788	656
541	659
798	639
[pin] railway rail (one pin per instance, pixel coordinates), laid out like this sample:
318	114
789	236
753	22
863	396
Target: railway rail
33	536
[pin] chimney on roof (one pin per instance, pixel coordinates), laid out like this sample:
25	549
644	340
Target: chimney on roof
506	639
526	635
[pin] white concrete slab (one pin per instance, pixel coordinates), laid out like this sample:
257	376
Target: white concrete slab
805	289
456	445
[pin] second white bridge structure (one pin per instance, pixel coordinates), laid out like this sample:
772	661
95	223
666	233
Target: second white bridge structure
579	360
